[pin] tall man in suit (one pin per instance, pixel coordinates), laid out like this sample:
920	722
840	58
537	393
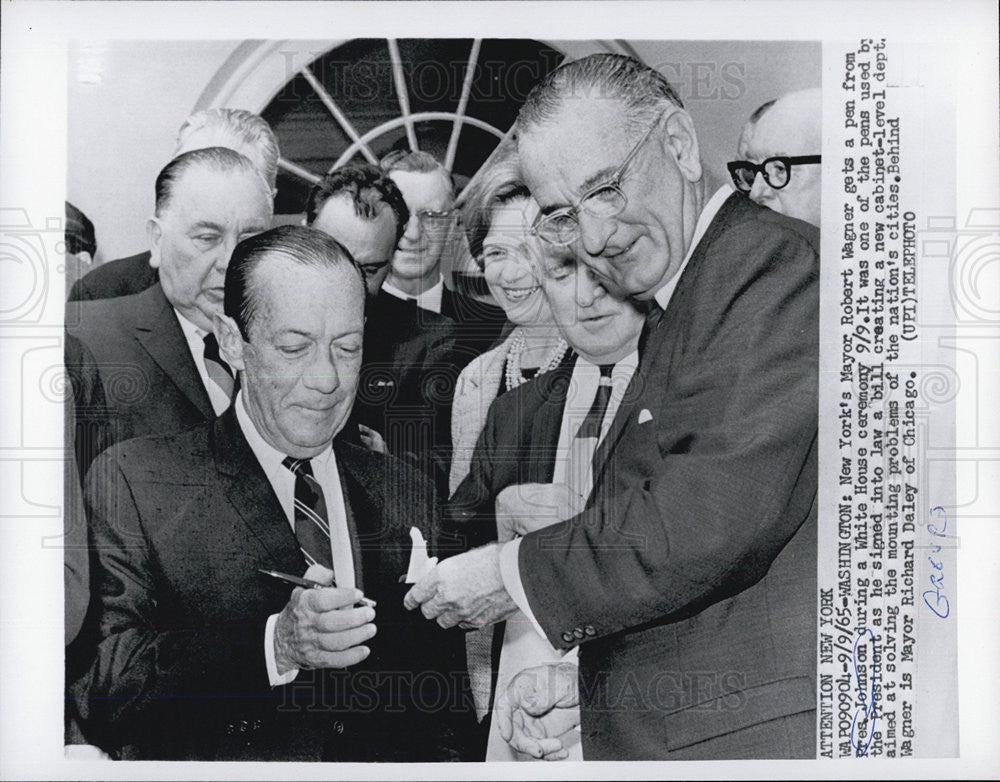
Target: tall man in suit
236	129
201	655
154	352
688	581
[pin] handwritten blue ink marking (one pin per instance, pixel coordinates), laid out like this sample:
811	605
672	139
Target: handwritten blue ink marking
867	707
937	579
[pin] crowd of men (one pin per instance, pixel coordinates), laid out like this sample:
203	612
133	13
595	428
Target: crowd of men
262	431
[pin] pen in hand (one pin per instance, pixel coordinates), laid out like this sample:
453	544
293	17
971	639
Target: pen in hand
307	583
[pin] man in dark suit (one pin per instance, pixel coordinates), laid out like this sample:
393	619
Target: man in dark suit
235	129
688	581
153	351
201	655
411	359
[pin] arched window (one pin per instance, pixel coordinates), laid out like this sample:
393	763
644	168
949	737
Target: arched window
455	98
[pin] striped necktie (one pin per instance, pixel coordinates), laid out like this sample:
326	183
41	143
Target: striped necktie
312	525
584	443
218	370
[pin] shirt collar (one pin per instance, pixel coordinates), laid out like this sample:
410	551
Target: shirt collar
430	299
267	454
625	365
191	331
704	220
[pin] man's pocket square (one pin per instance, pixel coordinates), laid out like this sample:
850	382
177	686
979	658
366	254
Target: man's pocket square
420	563
645	415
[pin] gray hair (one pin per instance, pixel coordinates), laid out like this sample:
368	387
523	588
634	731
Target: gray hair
644	91
244	126
221	160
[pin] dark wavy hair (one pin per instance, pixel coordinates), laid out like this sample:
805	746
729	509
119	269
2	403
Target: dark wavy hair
367	186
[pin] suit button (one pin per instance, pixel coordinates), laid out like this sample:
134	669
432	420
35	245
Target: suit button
338	727
568	637
244	726
589	630
578	633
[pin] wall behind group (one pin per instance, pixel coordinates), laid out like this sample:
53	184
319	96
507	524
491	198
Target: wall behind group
127	98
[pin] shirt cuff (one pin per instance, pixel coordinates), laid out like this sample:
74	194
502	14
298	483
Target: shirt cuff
511	575
273	676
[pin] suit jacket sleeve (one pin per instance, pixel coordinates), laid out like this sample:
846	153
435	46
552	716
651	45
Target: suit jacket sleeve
90	432
698	509
469	516
150	668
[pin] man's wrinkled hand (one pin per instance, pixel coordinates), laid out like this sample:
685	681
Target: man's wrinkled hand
538	707
526	507
464	590
322	628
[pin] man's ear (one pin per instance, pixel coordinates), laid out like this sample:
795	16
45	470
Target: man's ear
154	233
682	141
231	344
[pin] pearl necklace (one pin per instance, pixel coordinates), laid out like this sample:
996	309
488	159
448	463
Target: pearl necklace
514	376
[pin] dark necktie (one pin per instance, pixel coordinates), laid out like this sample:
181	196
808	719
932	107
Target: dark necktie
312	525
654	313
219	372
591	426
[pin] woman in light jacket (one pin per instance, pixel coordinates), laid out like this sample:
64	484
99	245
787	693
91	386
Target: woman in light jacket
494	214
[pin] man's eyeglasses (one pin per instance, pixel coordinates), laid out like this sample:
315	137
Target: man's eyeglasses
777	171
562	227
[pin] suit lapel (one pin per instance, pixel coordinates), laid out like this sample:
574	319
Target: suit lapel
354	497
376	548
249	491
160	335
547	422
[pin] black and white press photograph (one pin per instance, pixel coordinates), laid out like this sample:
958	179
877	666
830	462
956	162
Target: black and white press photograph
483	398
445	399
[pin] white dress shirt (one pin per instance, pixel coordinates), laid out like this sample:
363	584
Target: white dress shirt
282	480
196	344
509	569
430	299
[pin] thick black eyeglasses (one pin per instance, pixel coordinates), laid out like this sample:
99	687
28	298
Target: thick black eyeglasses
777	171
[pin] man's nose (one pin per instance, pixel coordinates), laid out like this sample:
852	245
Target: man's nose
412	231
595	232
588	288
760	187
224	252
323	375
